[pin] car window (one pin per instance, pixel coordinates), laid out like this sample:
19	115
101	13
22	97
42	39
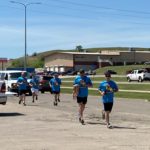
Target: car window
2	76
14	76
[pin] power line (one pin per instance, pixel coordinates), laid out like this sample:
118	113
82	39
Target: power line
102	7
76	16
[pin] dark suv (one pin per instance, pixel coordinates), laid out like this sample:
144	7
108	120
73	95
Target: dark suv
44	84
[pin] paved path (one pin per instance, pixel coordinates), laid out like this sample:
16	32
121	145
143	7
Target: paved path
41	126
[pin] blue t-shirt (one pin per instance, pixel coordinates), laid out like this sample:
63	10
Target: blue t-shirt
108	87
35	83
55	84
22	83
83	83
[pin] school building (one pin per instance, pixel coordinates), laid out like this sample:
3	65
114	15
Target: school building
63	61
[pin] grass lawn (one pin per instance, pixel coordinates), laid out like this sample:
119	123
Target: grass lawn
94	78
130	86
120	94
144	96
121	70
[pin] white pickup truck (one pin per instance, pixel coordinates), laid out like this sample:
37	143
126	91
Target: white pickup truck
139	75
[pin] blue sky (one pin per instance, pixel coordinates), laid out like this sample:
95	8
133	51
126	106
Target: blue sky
64	24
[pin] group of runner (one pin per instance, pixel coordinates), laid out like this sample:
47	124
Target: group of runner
80	92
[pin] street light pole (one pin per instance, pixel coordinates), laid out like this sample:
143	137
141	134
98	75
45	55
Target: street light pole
25	26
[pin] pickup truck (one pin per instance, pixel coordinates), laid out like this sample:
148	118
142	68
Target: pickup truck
139	75
3	97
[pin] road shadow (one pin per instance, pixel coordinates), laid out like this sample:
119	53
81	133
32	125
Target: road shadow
113	127
122	127
32	105
10	114
95	123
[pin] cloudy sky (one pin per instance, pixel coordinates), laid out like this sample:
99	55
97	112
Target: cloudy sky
64	24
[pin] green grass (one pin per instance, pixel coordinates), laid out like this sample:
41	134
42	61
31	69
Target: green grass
121	70
140	86
94	78
144	96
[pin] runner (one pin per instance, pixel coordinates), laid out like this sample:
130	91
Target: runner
80	91
107	89
55	86
22	87
34	83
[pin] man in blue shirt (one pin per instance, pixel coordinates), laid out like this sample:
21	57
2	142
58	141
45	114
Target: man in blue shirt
81	84
34	83
107	89
55	86
22	87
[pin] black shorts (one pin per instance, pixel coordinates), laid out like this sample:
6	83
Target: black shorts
22	92
108	106
82	100
55	92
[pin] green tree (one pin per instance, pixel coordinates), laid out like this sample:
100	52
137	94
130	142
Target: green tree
79	48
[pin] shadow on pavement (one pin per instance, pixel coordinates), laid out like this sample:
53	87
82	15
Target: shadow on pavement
113	127
10	114
119	127
95	123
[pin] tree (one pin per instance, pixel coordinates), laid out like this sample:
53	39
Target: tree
34	54
79	48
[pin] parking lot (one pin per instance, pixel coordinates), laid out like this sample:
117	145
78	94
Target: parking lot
42	126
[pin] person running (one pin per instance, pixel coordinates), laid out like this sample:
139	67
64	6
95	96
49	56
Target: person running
80	91
55	87
34	83
22	87
107	89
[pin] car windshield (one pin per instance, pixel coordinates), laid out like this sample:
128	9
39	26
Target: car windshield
15	76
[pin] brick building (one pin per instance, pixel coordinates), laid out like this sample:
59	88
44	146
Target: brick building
62	61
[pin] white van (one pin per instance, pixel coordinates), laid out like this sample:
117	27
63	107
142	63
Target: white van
10	77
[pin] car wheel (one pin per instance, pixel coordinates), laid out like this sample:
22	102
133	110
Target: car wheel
3	103
42	92
128	79
140	79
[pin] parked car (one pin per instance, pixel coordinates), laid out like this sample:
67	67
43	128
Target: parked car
147	63
90	72
44	84
139	75
72	73
3	97
10	78
112	71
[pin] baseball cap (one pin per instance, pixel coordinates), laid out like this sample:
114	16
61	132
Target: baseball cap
107	74
56	74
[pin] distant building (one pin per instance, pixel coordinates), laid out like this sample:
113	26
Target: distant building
63	61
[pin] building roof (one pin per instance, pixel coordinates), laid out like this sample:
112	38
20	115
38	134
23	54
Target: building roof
113	53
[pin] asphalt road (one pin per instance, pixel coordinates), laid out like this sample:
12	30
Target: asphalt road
42	126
